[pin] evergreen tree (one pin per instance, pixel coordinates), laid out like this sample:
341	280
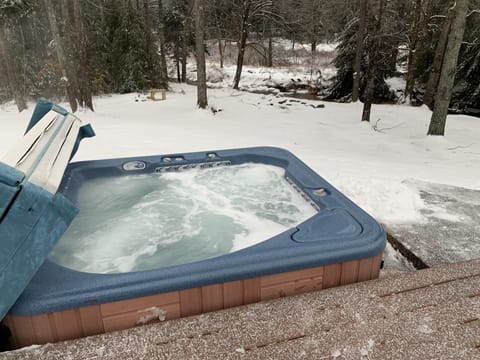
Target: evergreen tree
98	22
466	95
341	88
179	37
127	57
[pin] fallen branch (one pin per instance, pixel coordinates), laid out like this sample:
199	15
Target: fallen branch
376	128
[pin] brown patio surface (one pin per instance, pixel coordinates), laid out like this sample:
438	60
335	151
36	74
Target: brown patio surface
428	314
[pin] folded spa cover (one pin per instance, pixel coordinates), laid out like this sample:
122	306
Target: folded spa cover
33	216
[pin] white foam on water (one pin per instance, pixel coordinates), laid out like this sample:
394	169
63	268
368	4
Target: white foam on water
141	222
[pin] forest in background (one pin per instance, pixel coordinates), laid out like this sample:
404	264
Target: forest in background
72	49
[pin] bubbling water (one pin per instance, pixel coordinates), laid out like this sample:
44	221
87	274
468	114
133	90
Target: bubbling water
141	222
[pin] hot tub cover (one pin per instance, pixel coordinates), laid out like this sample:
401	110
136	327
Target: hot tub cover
33	216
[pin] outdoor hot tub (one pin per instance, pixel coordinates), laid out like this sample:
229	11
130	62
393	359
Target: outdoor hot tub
338	244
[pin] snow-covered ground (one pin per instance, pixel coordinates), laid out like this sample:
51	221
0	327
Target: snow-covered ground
376	164
297	66
263	79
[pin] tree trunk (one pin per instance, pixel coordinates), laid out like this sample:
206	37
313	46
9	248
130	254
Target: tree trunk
426	13
150	47
185	38
60	54
64	12
176	55
413	51
102	13
67	37
369	90
84	79
184	58
270	52
271	33
372	64
220	51
434	74
11	74
242	44
449	66
163	54
202	101
357	66
36	40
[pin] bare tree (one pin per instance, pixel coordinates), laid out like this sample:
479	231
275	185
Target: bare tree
70	45
11	75
413	49
251	8
161	38
60	54
434	74
10	10
85	90
185	31
357	66
221	24
242	43
373	62
447	75
178	34
150	46
200	52
186	41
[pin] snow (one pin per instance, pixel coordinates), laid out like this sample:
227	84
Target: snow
397	84
299	66
371	166
375	164
152	313
287	45
262	79
395	262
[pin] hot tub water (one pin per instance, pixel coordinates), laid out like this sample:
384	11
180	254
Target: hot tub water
140	222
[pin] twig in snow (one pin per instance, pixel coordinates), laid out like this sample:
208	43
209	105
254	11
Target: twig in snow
376	128
461	147
249	103
214	109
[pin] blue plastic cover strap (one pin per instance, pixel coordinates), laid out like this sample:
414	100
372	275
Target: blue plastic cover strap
9	181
